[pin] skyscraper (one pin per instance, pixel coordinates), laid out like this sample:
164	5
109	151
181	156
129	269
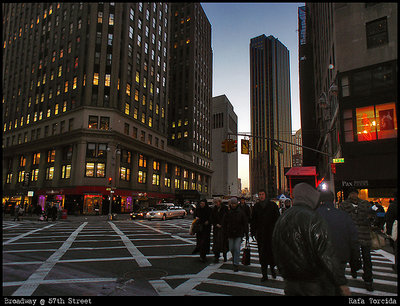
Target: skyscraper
224	165
270	113
190	88
85	107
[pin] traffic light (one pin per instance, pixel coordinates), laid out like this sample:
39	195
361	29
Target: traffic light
224	146
110	181
333	168
234	145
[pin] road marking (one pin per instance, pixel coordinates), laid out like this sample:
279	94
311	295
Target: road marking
60	281
166	233
26	234
137	255
30	285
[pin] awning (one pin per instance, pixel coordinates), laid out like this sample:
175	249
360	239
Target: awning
302	171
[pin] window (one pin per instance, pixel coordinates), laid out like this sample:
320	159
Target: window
156	179
66	171
377	33
49	173
51	156
125	174
96	79
142	161
376	122
95	150
95	169
36	159
348	125
142	177
93	122
104	123
35	175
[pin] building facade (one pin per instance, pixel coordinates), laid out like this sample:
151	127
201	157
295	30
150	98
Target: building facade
85	107
190	89
354	75
270	113
224	165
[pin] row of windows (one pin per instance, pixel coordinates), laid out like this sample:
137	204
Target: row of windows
33	176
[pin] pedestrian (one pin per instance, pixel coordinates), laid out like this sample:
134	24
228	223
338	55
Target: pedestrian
16	212
264	216
361	213
246	208
342	231
303	250
202	214
379	215
287	203
391	227
220	241
235	225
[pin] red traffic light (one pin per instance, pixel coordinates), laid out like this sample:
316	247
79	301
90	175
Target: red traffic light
109	180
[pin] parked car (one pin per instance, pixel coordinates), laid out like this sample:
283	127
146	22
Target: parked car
166	211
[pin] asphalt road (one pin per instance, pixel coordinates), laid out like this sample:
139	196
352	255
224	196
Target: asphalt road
90	256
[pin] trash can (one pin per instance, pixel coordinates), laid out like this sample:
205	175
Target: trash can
64	214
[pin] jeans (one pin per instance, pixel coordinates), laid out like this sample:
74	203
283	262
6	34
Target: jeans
234	247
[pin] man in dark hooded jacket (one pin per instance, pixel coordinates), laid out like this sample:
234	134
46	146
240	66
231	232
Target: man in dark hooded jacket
343	232
303	250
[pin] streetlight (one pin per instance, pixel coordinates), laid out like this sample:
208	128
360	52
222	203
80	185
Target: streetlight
326	105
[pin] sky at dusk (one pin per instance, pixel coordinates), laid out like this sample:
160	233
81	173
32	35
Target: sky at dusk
233	25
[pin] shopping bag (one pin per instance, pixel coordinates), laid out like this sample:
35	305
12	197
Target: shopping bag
377	240
246	254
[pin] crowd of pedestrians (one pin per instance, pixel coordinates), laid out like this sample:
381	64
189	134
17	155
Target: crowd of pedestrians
307	239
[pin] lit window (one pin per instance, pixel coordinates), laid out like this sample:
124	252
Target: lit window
96	79
107	80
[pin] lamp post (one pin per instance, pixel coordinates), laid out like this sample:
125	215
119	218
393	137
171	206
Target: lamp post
110	179
326	104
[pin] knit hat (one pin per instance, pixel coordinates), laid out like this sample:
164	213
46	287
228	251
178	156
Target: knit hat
305	194
233	201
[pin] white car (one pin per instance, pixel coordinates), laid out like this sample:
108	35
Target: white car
166	211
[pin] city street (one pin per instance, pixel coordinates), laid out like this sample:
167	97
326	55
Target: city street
90	256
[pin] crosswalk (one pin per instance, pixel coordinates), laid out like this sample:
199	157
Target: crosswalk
247	280
156	244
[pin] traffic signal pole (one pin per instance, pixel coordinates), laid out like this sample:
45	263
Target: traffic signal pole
278	141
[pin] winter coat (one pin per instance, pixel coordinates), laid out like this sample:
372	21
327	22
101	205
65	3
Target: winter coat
235	223
302	248
220	241
391	216
361	214
264	216
343	232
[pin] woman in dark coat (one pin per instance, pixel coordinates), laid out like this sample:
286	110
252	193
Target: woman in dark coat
203	215
264	216
220	240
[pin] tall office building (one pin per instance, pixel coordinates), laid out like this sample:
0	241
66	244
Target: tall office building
352	81
85	107
224	165
270	112
190	87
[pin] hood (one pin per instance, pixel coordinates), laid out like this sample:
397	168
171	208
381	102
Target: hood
305	194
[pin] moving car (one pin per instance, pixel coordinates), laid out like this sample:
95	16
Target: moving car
140	214
166	211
